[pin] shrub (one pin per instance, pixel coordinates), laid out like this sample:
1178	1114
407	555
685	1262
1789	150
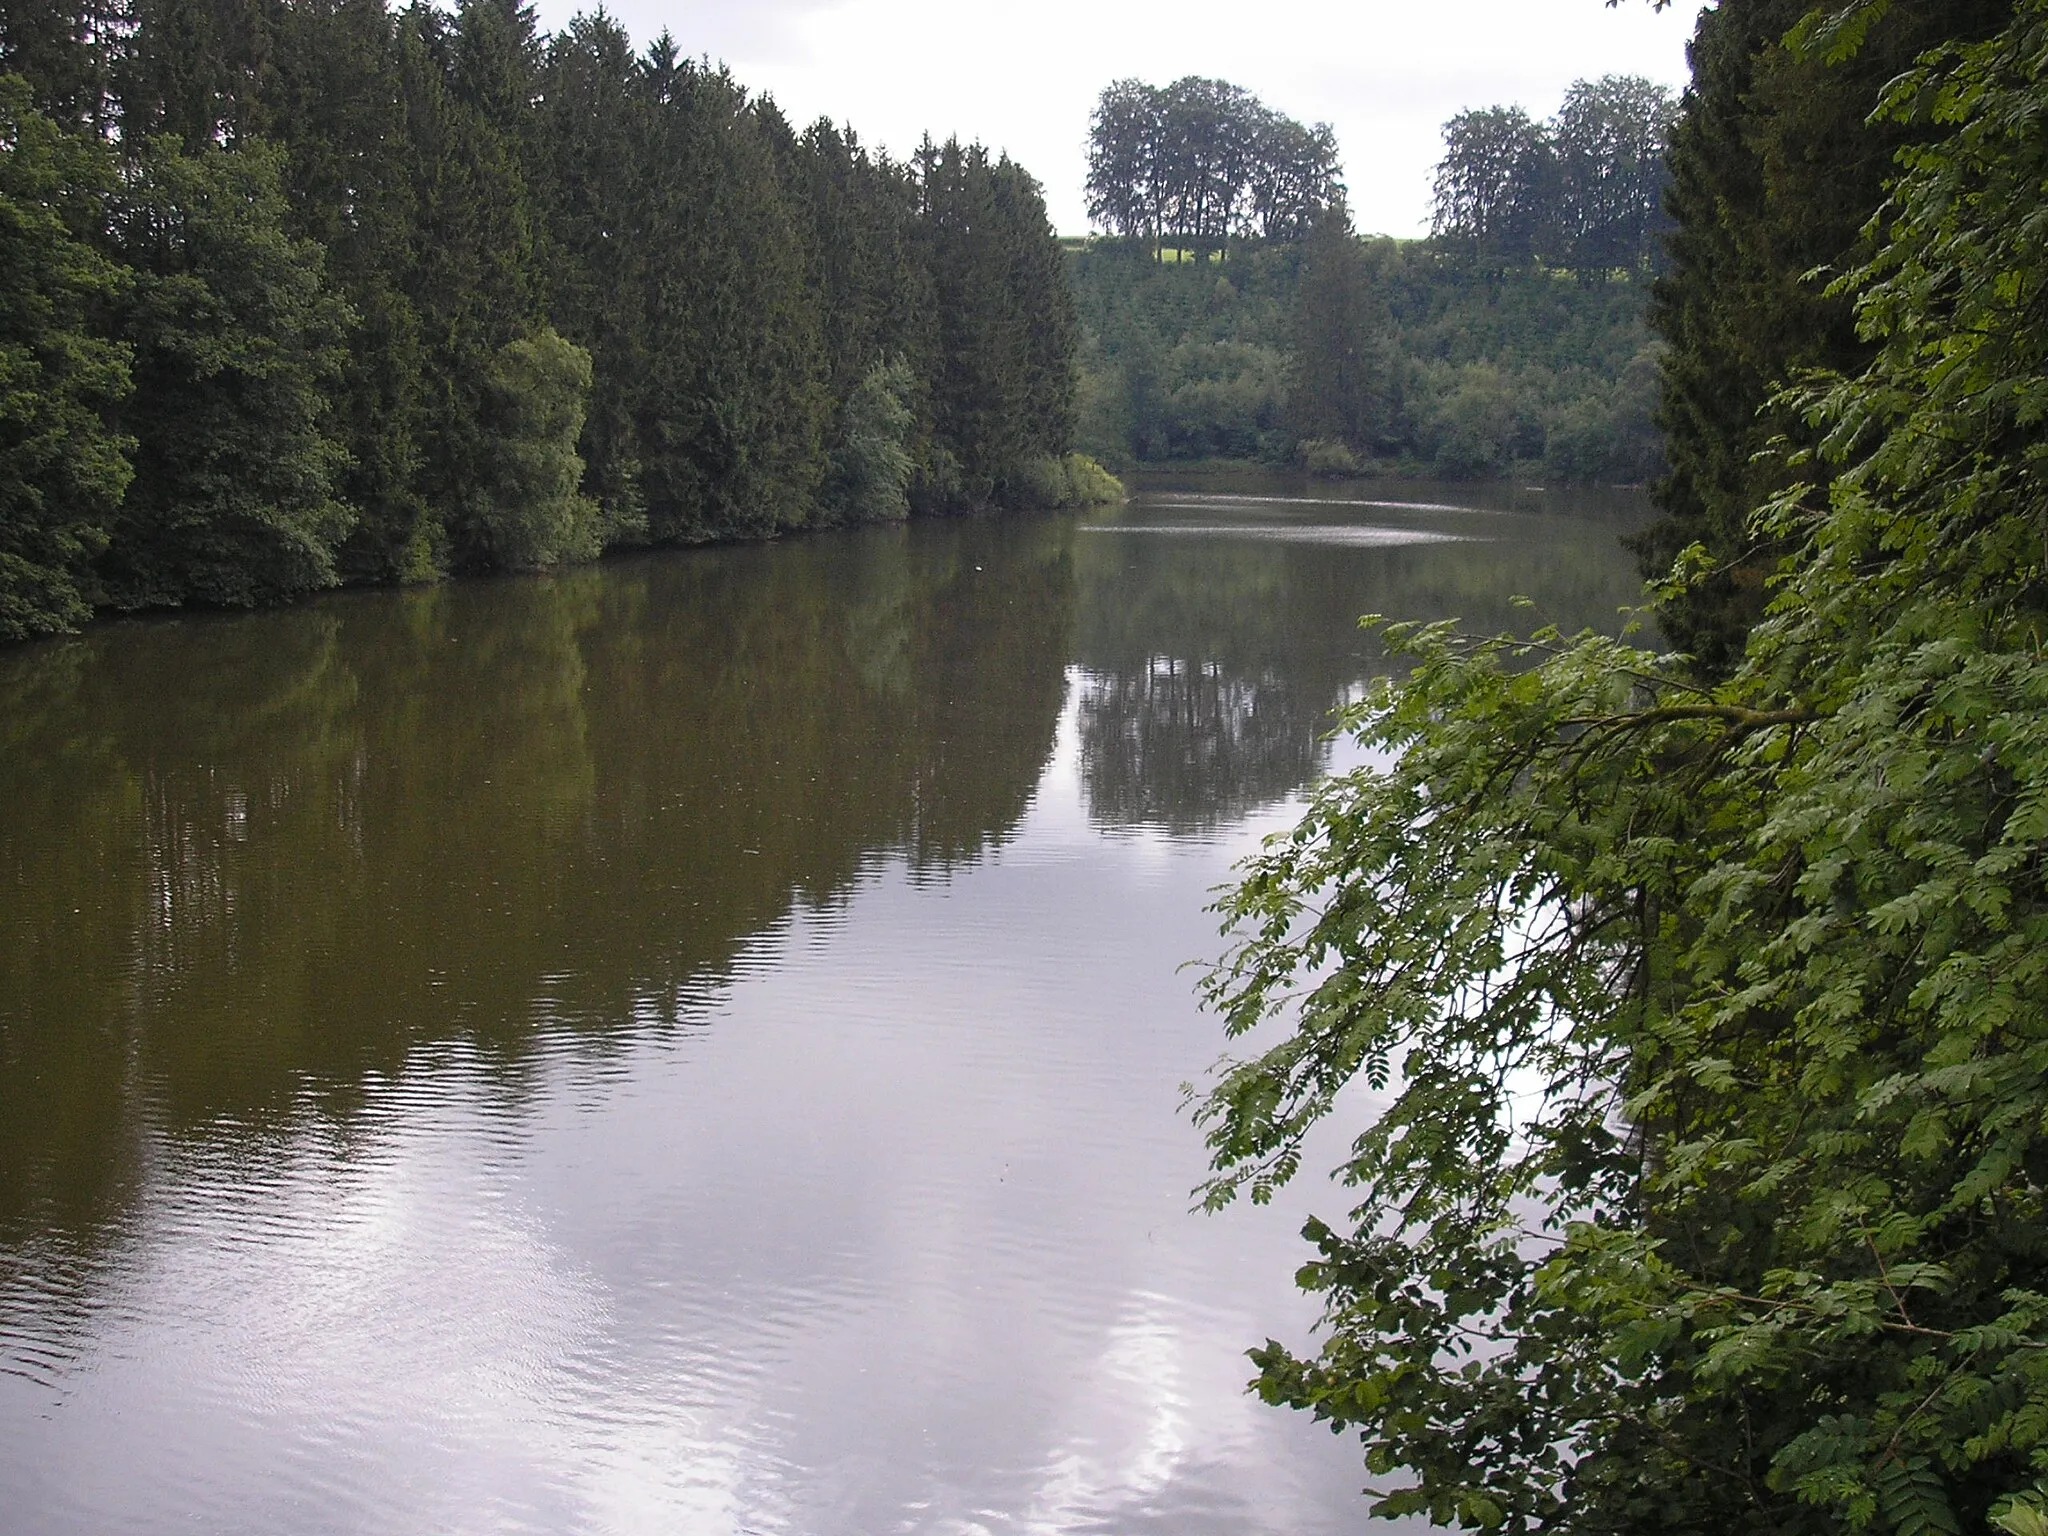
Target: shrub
1328	457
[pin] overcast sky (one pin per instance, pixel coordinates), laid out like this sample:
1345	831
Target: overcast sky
1023	76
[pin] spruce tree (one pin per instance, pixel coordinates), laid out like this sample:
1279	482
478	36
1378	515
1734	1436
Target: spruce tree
591	189
733	418
354	184
1775	169
473	276
1343	386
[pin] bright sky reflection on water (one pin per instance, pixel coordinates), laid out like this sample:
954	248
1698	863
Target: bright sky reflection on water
690	1046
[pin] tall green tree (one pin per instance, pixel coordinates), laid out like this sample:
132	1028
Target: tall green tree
475	271
193	70
1495	184
1711	1021
356	183
1002	387
1609	139
732	426
237	343
1344	387
1199	162
592	190
63	466
66	51
1776	167
376	251
529	510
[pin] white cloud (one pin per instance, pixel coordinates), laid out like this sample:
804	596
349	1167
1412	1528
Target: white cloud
1023	77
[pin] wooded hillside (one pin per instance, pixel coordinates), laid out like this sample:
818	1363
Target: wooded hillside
1224	320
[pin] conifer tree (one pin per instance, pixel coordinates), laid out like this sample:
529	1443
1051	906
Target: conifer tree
473	277
591	188
196	70
354	184
733	416
1343	386
1776	167
386	259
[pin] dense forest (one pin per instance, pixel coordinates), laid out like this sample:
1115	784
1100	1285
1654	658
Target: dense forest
1233	313
295	292
1701	995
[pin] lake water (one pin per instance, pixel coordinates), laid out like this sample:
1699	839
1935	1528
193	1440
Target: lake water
692	1045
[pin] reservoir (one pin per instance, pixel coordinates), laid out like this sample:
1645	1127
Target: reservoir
694	1044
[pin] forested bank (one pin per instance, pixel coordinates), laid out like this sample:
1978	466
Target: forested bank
1702	996
1232	312
297	292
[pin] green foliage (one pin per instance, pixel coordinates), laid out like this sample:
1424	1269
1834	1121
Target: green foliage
1776	165
237	343
1322	456
1584	192
1710	1020
1420	361
63	468
369	246
1345	385
528	510
1089	484
871	469
343	84
1073	481
1192	165
1003	385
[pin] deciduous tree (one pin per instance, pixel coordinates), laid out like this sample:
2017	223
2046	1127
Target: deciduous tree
1711	1019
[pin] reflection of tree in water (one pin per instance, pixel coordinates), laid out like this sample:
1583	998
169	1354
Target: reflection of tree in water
256	864
1188	746
1212	663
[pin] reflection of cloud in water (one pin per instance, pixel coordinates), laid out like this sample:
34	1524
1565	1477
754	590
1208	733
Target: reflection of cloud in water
1361	535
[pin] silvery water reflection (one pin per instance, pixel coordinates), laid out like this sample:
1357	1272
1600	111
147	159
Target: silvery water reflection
687	1046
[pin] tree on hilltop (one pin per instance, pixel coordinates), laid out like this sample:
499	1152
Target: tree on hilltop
1200	162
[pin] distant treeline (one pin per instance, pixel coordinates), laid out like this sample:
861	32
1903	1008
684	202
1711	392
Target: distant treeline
1584	191
1198	163
1454	356
301	291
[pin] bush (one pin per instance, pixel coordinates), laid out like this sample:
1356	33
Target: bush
1074	481
869	480
1327	457
1090	485
530	511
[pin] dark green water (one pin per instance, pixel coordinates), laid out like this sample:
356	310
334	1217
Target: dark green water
691	1045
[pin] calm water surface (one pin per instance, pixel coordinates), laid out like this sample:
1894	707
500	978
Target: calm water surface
687	1046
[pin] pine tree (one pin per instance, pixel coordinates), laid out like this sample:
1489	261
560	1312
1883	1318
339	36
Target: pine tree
732	423
1775	171
353	183
591	190
64	50
1002	377
1343	386
195	70
473	276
